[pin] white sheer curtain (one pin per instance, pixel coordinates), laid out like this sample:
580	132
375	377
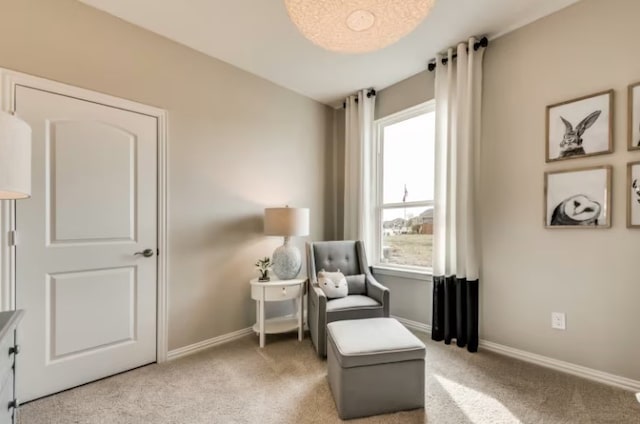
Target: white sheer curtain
358	168
458	93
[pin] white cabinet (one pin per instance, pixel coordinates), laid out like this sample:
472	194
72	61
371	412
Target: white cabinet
275	291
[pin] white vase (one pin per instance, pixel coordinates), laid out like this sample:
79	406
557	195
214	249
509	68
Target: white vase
287	261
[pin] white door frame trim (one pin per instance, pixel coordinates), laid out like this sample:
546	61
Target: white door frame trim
9	81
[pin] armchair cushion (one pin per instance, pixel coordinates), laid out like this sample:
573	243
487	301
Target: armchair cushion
354	306
357	284
354	301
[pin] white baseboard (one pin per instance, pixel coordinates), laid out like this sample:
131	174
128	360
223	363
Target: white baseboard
206	344
566	367
544	361
414	325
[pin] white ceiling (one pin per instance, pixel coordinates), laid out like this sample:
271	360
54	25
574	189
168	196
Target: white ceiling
257	36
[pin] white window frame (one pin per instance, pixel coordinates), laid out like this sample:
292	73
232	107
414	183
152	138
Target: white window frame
405	271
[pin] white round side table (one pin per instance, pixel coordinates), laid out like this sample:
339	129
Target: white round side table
276	291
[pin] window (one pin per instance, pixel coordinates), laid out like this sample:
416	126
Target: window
405	188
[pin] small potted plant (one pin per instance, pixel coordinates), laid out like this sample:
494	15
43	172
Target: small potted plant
263	266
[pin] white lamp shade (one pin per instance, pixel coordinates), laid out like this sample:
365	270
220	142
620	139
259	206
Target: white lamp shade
356	26
286	222
15	157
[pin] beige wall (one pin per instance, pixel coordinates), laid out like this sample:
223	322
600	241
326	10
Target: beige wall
404	94
237	143
529	271
409	298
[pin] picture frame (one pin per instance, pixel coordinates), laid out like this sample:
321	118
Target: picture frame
633	195
578	198
580	127
633	120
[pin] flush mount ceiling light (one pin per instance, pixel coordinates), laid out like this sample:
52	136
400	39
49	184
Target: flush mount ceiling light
356	26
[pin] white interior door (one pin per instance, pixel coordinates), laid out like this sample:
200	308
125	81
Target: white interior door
90	301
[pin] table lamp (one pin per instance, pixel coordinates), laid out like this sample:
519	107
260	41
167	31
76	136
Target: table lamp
15	157
286	222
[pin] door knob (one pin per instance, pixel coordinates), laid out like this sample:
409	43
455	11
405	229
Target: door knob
147	253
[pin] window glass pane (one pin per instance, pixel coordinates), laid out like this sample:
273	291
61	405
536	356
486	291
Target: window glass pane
408	160
407	236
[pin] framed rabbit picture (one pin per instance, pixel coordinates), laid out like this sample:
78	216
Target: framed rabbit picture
634	117
578	198
633	195
580	127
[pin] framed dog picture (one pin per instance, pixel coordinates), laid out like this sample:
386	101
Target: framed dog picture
578	198
634	117
580	127
633	195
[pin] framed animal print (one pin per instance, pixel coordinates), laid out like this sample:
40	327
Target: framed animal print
578	198
634	117
580	127
633	195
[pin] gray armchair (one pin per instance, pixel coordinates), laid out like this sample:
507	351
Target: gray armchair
367	298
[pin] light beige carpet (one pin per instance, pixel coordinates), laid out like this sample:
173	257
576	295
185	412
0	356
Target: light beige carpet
286	383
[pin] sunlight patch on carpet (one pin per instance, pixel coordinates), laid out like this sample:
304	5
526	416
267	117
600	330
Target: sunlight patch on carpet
477	406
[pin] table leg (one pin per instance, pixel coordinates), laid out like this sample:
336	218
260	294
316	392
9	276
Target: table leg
258	317
300	314
262	322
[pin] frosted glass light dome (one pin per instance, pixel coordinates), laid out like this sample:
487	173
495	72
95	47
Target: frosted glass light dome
356	26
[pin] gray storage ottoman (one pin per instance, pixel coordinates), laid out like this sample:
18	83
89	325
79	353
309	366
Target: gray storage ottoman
375	366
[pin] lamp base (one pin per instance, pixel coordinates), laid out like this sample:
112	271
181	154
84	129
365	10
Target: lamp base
287	261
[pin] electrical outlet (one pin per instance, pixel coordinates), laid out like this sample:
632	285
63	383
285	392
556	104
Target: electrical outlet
558	320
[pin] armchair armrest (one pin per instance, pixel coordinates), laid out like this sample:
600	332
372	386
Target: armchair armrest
378	292
316	316
316	295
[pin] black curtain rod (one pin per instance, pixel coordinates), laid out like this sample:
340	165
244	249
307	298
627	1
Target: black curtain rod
370	94
484	42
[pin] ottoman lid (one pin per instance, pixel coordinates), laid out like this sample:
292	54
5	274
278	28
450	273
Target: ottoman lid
373	341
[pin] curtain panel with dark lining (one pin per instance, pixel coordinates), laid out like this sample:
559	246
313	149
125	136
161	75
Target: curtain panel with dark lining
458	89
